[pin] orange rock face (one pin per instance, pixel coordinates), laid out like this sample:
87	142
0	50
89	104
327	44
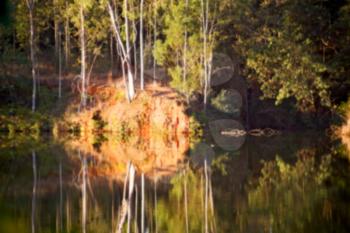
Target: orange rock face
151	132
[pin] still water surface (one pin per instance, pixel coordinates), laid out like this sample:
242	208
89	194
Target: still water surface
286	183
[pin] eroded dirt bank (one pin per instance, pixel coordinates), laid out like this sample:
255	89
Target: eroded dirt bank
151	131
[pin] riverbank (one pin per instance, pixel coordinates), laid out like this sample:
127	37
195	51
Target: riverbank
345	132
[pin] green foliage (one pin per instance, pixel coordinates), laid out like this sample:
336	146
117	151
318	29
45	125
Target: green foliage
282	51
219	164
170	51
195	130
22	120
290	193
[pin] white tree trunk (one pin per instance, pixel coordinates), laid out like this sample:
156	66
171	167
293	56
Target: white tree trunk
128	51
67	39
142	84
135	48
55	23
125	49
30	5
59	66
205	21
83	57
154	40
184	77
111	52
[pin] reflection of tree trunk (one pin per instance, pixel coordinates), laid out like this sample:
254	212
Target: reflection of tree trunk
136	230
206	197
212	217
186	209
34	191
68	215
202	198
155	205
131	188
84	196
142	203
112	207
125	209
61	197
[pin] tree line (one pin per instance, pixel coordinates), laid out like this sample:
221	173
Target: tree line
291	49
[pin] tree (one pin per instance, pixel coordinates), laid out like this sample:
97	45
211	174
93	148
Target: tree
178	51
92	36
30	5
280	48
142	85
124	48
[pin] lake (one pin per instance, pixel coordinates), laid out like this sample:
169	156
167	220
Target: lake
292	182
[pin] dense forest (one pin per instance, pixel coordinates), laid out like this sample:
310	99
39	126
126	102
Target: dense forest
293	54
174	116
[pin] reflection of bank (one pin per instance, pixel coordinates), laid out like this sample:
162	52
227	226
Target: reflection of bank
155	153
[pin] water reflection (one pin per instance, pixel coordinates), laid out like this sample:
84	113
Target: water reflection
59	188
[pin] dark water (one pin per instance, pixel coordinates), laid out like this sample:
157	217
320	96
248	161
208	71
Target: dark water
286	183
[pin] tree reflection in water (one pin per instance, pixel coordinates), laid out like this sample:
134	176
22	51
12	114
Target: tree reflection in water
227	192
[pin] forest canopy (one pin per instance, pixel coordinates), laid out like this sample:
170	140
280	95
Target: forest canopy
289	49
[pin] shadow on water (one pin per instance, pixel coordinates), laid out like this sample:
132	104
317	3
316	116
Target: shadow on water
286	183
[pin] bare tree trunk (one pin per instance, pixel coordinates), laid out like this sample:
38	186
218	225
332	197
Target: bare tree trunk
83	57
135	48
205	13
125	49
128	64
142	84
59	66
154	40
30	5
55	23
184	77
67	39
111	52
